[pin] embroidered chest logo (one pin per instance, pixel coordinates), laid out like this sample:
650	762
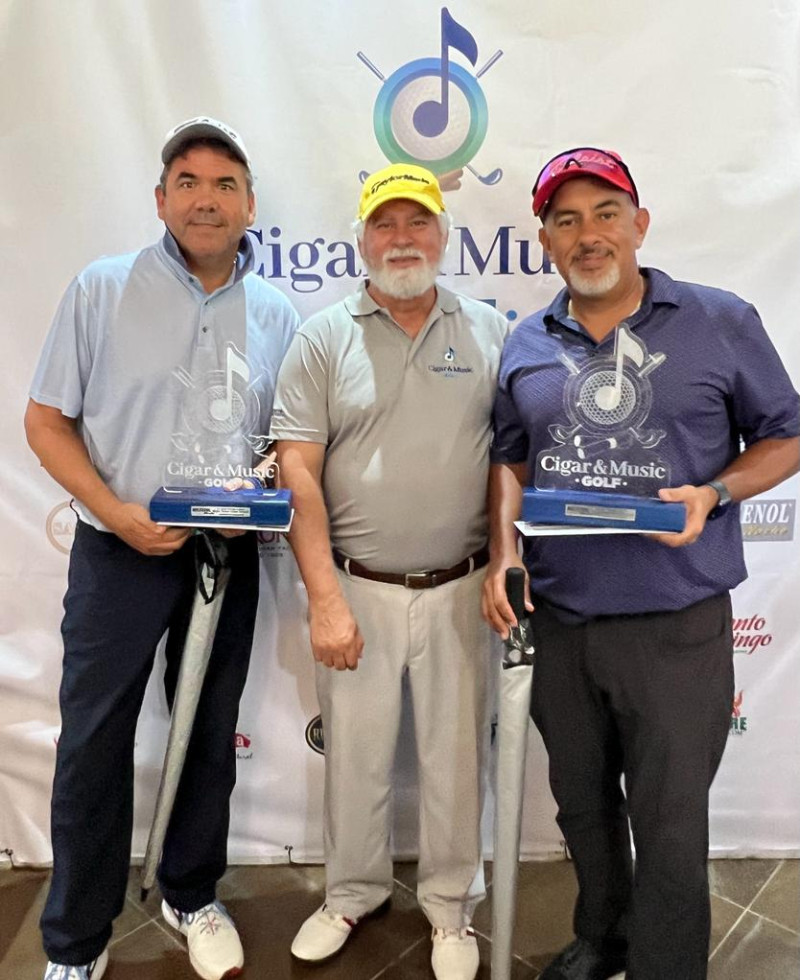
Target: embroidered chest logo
607	443
451	367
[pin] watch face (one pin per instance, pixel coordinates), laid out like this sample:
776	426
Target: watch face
722	491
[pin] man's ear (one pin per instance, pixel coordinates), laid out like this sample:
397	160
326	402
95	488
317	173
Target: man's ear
159	201
641	223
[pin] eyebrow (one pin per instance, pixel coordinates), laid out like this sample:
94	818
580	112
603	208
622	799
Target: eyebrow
188	174
611	202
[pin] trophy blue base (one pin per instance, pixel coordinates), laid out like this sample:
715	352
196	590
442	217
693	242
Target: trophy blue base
594	509
259	509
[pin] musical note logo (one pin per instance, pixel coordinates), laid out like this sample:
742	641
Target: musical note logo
221	409
431	117
625	345
432	111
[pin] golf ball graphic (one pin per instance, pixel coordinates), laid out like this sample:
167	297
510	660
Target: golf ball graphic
415	84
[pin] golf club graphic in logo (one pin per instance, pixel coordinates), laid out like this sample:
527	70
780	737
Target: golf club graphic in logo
432	112
607	444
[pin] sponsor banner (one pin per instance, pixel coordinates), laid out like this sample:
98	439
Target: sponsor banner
764	519
476	93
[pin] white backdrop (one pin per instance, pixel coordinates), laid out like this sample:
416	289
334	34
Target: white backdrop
702	100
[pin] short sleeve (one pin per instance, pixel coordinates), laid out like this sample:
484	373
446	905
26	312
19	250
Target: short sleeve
65	363
300	410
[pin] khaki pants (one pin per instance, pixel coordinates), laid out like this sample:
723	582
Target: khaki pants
436	637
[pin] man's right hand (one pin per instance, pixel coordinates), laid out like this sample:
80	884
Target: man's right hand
336	640
495	606
131	523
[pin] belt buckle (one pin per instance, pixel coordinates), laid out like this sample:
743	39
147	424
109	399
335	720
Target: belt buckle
409	578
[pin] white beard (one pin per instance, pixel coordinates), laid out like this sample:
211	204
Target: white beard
586	286
403	283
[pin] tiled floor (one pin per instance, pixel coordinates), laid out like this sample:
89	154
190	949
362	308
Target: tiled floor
755	933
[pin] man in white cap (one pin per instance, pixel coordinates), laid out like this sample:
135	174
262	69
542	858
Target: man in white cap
159	368
382	413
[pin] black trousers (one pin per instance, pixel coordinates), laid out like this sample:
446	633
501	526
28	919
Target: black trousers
118	605
647	698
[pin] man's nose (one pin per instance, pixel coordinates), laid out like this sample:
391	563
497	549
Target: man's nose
206	199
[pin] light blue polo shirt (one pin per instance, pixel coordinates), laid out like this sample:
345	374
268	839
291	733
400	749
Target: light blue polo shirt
170	384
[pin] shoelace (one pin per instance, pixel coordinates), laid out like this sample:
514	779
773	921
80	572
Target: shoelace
210	919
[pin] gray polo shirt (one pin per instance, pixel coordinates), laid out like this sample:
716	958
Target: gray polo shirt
407	426
170	385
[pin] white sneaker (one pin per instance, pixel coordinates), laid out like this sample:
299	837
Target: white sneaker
322	935
92	971
455	954
215	950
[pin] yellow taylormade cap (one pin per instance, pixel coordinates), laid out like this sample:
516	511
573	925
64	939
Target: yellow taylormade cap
400	181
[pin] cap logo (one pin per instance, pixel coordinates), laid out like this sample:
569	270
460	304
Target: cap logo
388	180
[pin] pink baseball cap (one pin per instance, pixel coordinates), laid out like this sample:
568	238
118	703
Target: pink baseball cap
582	161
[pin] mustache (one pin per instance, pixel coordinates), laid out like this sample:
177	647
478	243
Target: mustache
403	253
591	250
205	219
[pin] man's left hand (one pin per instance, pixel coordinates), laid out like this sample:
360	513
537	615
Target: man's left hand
700	501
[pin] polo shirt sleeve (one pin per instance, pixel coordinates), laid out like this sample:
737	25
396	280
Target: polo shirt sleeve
509	436
65	363
764	402
300	409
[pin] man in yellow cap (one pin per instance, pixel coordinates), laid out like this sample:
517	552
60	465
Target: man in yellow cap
382	413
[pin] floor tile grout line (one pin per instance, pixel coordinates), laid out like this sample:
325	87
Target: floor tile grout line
773	922
169	932
398	959
766	884
127	935
745	910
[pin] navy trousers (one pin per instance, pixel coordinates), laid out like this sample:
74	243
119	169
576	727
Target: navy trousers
647	698
118	606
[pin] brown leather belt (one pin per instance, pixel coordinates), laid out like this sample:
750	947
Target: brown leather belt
427	579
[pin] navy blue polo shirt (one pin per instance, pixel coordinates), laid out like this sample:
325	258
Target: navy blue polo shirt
667	398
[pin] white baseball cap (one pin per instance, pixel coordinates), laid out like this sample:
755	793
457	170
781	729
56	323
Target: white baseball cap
203	127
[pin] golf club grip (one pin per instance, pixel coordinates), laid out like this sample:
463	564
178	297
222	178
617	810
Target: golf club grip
515	591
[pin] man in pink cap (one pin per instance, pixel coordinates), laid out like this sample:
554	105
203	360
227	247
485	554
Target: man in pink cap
632	382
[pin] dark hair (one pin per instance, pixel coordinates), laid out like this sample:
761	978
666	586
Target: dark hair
212	143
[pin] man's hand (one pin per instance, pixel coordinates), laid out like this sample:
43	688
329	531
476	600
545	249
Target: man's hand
336	640
700	501
132	523
495	606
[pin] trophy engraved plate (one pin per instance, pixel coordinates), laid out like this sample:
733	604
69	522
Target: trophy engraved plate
611	513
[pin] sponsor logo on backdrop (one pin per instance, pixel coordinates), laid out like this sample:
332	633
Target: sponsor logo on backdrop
60	527
751	634
433	112
738	720
315	737
767	520
272	544
244	745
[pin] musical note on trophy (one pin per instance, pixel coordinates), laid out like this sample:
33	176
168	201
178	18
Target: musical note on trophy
431	117
221	409
607	397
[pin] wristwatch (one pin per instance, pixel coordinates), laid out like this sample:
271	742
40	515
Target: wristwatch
724	495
